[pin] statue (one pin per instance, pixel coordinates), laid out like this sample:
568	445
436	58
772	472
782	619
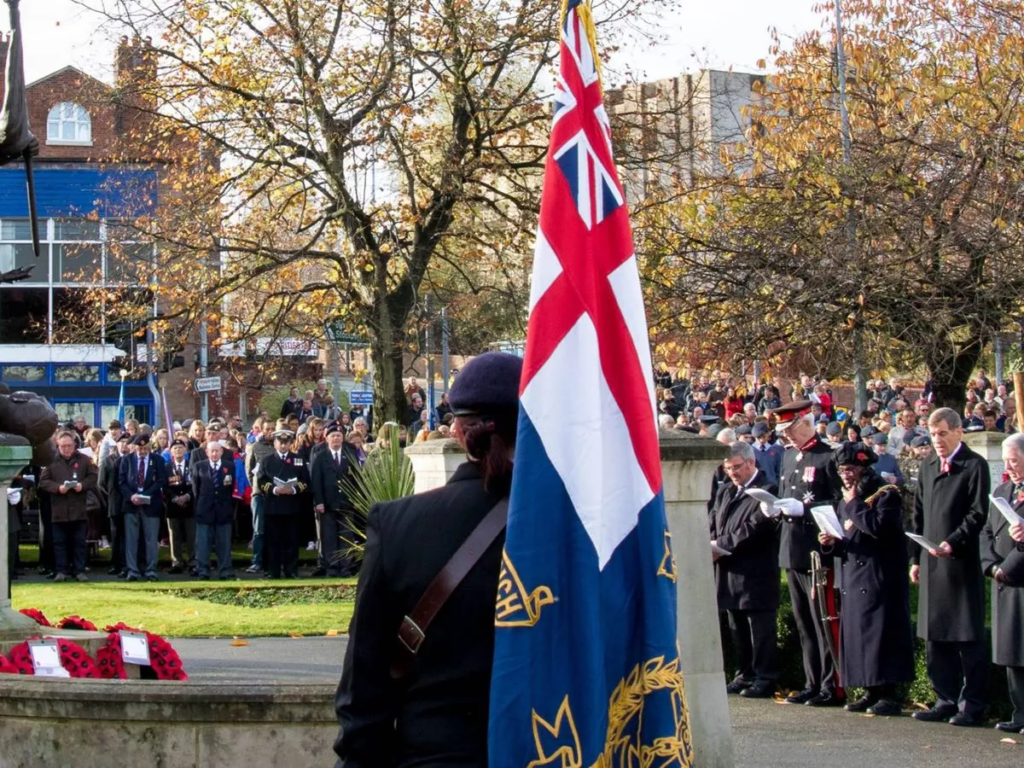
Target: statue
16	139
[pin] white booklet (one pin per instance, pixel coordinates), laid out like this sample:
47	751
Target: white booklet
279	483
926	543
719	551
825	516
69	484
774	510
1006	510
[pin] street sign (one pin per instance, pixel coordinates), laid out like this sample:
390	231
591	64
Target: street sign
336	335
361	397
207	384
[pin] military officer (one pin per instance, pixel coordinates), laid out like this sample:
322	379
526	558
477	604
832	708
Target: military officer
747	579
808	479
181	522
283	480
436	714
871	575
1002	558
331	504
950	510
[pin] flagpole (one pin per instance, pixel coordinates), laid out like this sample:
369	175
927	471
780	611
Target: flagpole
168	421
120	398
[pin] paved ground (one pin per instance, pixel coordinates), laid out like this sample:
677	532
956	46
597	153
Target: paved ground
767	735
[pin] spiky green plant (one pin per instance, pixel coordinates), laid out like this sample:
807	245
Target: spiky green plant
387	474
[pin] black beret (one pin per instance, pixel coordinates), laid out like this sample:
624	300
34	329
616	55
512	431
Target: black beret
487	384
760	429
856	454
744	429
142	439
182	443
920	441
332	428
124	438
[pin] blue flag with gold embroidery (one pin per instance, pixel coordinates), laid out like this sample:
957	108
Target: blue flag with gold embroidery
586	667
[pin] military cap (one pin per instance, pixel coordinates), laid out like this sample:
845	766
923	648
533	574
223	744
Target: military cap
834	428
187	423
332	428
744	429
880	438
868	431
182	443
142	439
760	429
709	418
854	454
284	435
124	438
920	441
790	413
488	383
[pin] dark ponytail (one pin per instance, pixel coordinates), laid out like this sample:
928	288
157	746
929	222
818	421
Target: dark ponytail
488	440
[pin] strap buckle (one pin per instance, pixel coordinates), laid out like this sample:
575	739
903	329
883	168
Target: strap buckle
410	635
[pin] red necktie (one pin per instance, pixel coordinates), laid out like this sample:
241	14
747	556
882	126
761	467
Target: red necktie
945	466
142	469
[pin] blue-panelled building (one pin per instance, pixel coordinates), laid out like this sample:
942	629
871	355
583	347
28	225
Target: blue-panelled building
53	337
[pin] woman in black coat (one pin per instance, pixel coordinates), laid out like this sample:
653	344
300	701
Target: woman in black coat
877	642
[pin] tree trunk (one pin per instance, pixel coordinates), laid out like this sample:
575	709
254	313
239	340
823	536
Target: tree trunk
952	373
387	344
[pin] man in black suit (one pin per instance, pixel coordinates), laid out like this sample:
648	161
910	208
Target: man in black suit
331	505
283	480
808	478
747	579
214	434
110	474
142	479
950	508
1002	558
181	522
213	482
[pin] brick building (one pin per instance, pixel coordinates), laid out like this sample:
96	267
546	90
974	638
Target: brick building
89	186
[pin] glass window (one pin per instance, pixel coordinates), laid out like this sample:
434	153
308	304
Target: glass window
77	263
75	374
69	123
18	255
24	313
24	374
71	411
18	229
77	316
129	262
110	412
135	373
76	230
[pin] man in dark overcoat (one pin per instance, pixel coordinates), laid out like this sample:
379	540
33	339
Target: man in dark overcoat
1002	558
143	478
286	500
808	479
109	474
950	509
877	640
332	507
747	579
213	482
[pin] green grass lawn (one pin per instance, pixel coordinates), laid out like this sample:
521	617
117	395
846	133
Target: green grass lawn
176	609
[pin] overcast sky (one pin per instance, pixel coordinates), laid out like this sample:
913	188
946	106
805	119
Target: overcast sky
722	33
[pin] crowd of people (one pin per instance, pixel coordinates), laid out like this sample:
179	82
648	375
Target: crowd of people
194	489
898	467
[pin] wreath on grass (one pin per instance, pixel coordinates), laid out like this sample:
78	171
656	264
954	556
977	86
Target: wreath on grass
76	622
73	658
36	615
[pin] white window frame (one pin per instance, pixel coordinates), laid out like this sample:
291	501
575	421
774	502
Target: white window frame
68	113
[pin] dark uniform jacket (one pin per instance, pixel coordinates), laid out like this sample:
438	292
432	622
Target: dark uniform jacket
214	503
152	484
998	550
811	477
872	575
326	475
290	468
438	715
109	484
748	579
952	507
179	483
69	507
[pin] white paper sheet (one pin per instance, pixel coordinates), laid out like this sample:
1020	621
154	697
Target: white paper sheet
763	496
1006	510
46	659
719	551
279	483
926	543
825	516
135	648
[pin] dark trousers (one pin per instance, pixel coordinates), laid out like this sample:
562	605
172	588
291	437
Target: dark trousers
819	670
46	559
1015	682
281	545
753	637
117	542
335	534
218	539
69	546
959	674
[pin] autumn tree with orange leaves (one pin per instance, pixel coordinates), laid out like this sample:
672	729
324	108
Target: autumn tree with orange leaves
762	257
350	157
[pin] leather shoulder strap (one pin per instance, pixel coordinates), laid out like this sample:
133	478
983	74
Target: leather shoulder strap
413	629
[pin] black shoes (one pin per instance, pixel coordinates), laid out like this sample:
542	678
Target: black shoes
1010	727
826	699
176	569
935	715
966	721
885	708
737	686
863	704
803	697
758	691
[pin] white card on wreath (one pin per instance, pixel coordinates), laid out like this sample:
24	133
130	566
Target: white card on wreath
135	648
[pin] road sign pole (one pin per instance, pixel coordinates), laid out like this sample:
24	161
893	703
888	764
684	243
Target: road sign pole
204	408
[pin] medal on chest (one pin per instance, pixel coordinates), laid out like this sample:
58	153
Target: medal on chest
809	473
